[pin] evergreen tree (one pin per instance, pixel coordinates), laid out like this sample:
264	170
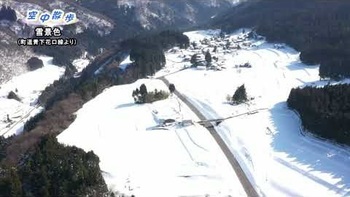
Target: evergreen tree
35	63
10	183
240	95
172	88
208	58
215	49
143	92
143	89
194	60
16	185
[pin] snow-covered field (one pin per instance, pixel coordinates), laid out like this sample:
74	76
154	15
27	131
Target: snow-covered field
28	87
268	144
139	158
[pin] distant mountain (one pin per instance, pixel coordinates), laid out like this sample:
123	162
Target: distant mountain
319	29
8	48
155	13
103	23
136	16
12	26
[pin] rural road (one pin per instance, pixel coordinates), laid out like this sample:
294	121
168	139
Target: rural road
248	187
8	129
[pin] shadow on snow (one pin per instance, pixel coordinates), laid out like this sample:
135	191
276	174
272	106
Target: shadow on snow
317	155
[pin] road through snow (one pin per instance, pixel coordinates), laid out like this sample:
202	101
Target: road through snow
247	185
267	145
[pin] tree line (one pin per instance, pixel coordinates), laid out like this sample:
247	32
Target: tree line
324	111
142	95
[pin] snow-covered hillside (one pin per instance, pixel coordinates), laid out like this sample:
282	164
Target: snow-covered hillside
139	158
13	57
27	87
87	18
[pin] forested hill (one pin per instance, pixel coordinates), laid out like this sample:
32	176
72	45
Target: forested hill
147	51
324	111
319	29
52	169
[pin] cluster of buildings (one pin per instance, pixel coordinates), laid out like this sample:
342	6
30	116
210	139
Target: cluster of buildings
217	47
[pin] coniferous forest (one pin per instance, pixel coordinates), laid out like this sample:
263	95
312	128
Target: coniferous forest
147	52
52	169
324	111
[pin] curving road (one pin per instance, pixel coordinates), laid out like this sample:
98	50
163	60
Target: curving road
247	186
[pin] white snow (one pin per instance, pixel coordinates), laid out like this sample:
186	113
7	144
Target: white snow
200	35
268	144
80	64
125	63
29	86
139	158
